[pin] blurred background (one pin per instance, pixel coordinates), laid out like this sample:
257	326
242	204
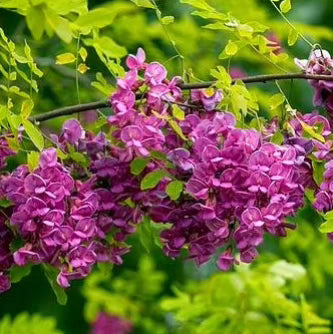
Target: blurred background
135	290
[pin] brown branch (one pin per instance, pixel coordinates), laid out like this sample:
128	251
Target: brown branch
106	103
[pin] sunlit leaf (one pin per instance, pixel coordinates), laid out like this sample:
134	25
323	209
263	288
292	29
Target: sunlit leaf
144	3
152	179
138	165
83	53
36	22
26	109
292	37
33	160
34	134
285	6
177	112
167	20
65	58
276	100
83	68
174	189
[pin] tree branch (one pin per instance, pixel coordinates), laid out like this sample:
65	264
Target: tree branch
200	85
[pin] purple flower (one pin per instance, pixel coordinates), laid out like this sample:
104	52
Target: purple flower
4	282
226	260
73	131
132	136
155	74
48	158
109	324
24	256
136	62
208	100
249	255
252	217
181	158
237	73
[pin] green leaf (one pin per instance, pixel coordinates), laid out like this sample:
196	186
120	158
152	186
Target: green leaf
329	215
174	189
65	58
34	134
26	108
83	53
318	172
245	30
158	155
36	22
175	126
178	113
138	165
51	275
292	36
231	49
5	202
12	76
201	4
276	100
152	179
211	15
167	20
64	7
80	158
257	26
33	160
326	227
16	90
277	138
240	98
17	273
109	47
96	18
83	68
60	25
285	6
144	3
222	76
146	234
310	131
62	155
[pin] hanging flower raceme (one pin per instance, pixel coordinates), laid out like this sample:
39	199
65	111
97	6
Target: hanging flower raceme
169	158
237	186
59	220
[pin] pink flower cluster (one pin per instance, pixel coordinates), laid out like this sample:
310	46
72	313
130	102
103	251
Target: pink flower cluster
237	186
234	184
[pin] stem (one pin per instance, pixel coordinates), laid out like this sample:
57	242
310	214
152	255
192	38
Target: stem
70	110
77	73
198	85
173	43
290	24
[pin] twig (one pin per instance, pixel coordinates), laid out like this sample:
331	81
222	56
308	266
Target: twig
199	85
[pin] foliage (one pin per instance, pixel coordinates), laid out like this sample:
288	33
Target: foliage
131	296
25	323
265	299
